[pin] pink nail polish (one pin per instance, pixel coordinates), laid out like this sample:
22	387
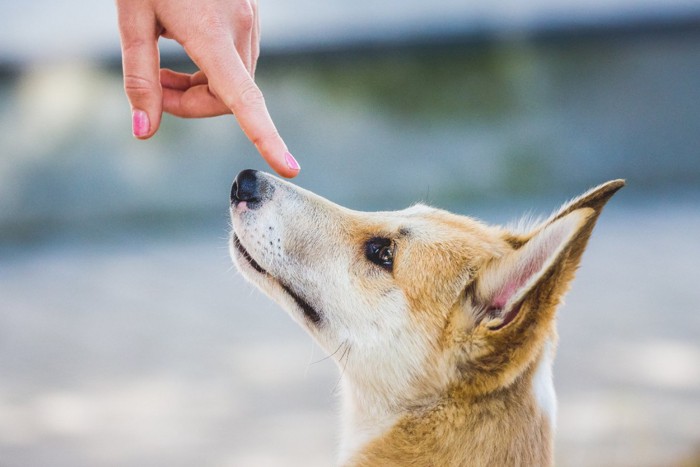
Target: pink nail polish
140	125
291	162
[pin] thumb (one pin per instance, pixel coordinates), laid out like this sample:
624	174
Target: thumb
141	63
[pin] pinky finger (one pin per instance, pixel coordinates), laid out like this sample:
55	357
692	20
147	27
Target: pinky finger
173	80
195	102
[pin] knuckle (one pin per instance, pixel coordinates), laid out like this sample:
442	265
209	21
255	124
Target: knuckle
249	97
244	16
138	86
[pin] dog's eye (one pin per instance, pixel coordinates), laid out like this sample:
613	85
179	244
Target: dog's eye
381	252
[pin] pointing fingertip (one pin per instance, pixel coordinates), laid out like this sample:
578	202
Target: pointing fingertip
289	168
291	162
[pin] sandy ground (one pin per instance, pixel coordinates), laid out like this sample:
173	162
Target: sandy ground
156	352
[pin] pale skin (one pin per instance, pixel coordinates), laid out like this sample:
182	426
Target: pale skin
222	37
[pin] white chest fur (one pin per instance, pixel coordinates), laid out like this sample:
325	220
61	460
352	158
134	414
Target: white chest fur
359	425
543	385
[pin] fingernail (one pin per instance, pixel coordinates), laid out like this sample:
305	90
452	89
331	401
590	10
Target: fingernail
291	162
140	125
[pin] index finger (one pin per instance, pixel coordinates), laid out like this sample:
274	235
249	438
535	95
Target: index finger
217	57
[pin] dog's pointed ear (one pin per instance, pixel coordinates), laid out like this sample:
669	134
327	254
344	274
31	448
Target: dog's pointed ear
523	287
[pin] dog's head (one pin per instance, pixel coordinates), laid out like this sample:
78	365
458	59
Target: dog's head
414	301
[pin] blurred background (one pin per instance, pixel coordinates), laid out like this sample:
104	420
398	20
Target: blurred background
126	337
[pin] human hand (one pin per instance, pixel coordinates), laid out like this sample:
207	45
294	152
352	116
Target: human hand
222	37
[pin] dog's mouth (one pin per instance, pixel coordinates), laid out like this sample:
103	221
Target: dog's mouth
249	259
309	312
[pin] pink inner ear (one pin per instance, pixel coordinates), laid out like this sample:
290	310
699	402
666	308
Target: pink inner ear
511	287
531	260
530	265
500	300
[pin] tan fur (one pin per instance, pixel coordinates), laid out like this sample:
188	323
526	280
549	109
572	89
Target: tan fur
446	358
502	427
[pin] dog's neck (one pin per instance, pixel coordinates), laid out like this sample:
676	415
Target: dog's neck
511	425
365	417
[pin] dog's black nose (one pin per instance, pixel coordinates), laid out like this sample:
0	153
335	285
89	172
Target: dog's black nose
246	187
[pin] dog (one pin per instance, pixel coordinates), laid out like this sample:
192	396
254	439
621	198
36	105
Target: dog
443	327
